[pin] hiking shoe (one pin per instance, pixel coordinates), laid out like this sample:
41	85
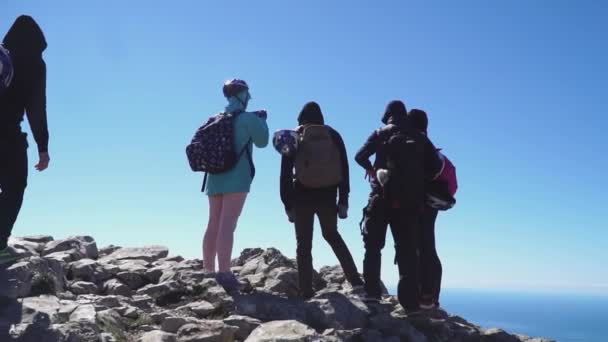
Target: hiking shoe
8	255
229	282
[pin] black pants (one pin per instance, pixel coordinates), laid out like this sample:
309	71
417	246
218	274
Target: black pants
326	211
13	180
430	265
378	215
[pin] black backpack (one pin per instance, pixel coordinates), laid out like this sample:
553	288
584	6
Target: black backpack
405	163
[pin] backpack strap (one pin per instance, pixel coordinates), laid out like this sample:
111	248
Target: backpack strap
249	157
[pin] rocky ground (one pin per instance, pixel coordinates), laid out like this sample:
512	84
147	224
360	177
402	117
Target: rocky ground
69	290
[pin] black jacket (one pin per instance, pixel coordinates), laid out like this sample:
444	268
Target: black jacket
27	92
292	190
395	121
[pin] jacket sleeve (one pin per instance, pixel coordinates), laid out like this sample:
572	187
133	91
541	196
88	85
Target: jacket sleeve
432	161
344	187
35	108
258	129
369	149
286	179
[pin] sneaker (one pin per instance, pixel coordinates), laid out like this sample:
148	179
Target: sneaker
229	282
8	255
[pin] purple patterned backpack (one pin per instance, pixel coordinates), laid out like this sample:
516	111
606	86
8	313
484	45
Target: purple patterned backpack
212	148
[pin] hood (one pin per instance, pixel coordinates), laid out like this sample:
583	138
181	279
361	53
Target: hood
418	119
25	38
311	114
395	113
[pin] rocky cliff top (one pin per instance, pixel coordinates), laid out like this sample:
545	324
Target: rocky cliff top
69	290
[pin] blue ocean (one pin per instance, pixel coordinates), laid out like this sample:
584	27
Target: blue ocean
561	317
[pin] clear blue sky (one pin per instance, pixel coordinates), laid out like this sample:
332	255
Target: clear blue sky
516	93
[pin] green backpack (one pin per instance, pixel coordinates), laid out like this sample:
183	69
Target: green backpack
318	161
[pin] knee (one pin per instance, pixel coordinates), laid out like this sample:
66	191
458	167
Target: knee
331	235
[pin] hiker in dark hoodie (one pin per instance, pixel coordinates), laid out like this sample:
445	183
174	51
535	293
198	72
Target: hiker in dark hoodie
404	158
27	93
321	173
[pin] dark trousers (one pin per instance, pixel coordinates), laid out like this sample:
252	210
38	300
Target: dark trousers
430	265
378	215
13	180
326	211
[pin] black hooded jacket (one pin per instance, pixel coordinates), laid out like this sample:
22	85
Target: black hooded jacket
27	92
292	190
395	120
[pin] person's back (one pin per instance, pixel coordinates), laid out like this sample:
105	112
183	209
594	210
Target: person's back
25	94
248	128
227	191
307	194
386	207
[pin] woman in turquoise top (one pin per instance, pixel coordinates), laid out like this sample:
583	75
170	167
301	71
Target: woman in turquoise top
227	191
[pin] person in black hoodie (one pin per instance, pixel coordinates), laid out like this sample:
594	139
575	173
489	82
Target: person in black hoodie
302	203
382	211
27	93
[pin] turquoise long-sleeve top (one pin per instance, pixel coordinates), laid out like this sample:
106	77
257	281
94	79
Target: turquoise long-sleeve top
249	130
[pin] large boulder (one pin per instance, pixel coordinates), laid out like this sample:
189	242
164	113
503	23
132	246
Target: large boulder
284	331
84	247
89	270
36	276
149	253
207	331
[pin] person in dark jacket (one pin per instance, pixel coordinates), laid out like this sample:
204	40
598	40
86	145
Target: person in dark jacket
303	203
27	93
430	264
381	211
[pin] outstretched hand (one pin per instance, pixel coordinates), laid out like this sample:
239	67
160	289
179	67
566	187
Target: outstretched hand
43	162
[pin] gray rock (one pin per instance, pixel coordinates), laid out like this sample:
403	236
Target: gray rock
107	337
84	245
133	266
341	312
216	295
284	331
206	331
149	254
172	324
162	289
392	326
89	270
129	311
48	305
33	248
36	276
159	317
116	287
246	255
245	324
284	281
83	287
158	336
110	320
43	239
133	280
86	313
107	250
143	302
498	335
78	331
200	308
